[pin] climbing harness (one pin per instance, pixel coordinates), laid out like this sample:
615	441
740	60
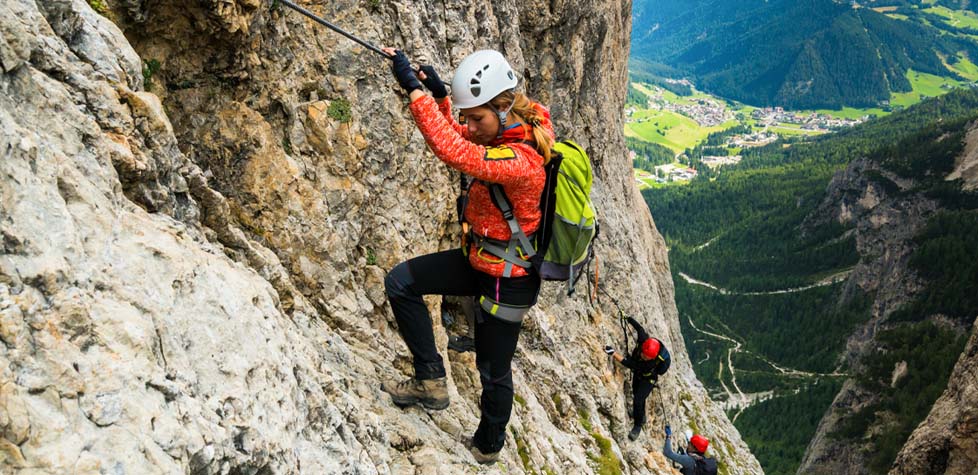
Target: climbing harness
622	322
507	312
520	249
333	27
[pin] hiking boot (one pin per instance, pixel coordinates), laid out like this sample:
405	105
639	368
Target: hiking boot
430	393
482	458
635	432
461	343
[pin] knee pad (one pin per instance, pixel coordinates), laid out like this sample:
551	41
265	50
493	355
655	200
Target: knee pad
505	380
398	281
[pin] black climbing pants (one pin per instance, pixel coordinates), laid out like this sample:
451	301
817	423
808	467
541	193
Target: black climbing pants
449	273
641	388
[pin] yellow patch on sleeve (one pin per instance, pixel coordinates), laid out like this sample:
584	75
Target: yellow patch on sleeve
499	153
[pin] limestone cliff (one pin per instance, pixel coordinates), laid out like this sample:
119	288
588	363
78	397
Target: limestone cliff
199	201
887	213
885	224
947	441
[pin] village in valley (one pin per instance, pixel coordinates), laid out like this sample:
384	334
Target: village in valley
814	121
668	173
681	123
706	111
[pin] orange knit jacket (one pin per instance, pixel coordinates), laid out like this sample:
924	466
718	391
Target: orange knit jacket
518	167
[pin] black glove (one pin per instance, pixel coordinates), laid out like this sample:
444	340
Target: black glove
433	82
403	72
609	350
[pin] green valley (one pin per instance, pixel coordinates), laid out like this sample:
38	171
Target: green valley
762	287
665	125
684	126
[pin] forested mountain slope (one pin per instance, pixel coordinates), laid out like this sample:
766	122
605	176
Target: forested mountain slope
915	219
828	282
798	54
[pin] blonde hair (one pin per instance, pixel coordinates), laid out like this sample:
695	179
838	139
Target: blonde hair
525	110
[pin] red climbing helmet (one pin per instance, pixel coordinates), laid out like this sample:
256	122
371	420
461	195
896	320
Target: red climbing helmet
650	348
700	443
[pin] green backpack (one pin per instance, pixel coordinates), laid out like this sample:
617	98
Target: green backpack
561	247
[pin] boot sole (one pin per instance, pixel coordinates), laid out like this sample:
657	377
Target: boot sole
432	404
483	459
488	461
435	404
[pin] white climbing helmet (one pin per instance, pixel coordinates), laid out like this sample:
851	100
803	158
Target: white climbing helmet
480	77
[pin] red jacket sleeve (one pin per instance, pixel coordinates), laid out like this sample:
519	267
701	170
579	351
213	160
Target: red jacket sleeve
445	106
503	164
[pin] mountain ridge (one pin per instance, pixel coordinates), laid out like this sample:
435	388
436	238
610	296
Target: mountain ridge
817	54
895	198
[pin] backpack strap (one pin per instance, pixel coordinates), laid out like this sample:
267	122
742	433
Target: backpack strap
520	250
518	240
464	183
499	196
548	207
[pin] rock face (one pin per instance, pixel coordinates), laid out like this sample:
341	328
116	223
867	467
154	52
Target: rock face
886	213
966	167
947	441
885	224
199	202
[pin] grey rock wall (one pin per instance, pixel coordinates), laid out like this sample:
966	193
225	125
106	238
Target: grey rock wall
195	236
884	224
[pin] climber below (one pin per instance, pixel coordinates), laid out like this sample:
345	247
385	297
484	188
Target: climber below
649	361
694	461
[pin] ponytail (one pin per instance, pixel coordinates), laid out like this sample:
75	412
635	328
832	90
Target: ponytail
527	112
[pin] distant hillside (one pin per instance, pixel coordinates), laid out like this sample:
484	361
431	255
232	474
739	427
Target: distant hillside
960	4
798	54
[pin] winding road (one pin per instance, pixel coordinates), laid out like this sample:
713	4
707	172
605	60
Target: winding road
832	279
740	396
737	399
740	400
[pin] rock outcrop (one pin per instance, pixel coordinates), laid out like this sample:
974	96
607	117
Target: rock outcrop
885	224
947	441
198	204
966	166
886	213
